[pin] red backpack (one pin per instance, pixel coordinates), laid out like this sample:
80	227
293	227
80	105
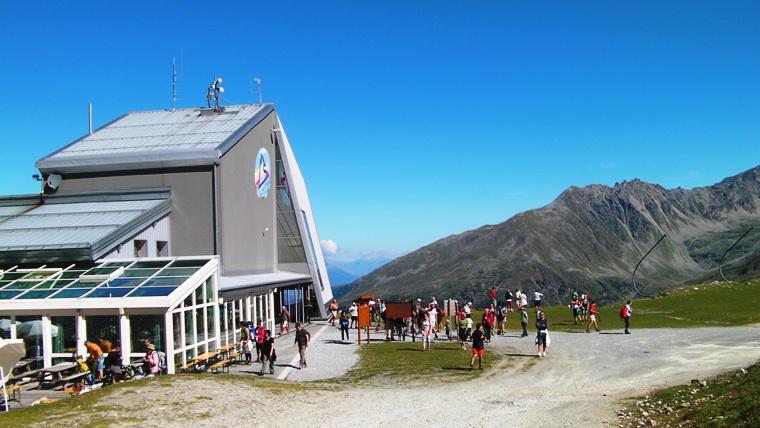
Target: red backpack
623	312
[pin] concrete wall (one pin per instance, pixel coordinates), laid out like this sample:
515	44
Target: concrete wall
248	223
191	219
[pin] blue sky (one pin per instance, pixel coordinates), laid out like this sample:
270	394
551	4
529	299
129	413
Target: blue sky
411	120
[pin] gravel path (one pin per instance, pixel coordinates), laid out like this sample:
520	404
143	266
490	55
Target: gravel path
580	383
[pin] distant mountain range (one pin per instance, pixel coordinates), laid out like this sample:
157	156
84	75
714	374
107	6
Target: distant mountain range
344	272
589	239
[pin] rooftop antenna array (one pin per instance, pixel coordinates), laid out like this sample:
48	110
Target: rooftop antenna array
213	93
174	84
258	82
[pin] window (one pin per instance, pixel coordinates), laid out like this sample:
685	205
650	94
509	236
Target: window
162	248
141	248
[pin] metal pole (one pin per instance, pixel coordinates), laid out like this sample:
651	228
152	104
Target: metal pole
633	275
720	262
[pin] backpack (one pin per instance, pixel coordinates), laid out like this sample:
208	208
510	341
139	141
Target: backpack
623	312
161	360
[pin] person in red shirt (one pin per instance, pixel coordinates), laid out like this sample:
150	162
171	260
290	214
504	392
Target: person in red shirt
492	296
592	317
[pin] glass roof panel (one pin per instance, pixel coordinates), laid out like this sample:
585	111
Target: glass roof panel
102	270
9	294
10	276
140	272
189	263
72	273
37	294
123	282
110	292
158	282
172	271
54	283
152	291
151	263
22	285
68	293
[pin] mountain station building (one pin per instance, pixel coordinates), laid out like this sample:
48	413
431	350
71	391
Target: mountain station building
172	225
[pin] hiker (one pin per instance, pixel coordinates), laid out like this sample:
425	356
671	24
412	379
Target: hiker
259	337
245	341
508	296
478	346
524	321
267	352
518	299
542	333
501	312
625	314
354	312
302	339
492	295
284	321
334	312
462	324
426	327
537	297
592	317
343	321
96	354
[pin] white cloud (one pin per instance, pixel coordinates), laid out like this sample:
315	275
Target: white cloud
329	247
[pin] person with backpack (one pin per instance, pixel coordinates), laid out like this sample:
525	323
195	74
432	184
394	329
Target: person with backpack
154	361
259	334
625	314
245	341
508	296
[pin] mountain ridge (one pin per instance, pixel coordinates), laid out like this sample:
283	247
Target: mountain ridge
588	238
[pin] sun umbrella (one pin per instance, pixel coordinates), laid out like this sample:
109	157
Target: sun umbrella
33	329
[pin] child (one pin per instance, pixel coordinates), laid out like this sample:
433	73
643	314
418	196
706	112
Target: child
448	329
524	321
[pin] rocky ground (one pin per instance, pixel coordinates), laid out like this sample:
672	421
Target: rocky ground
584	381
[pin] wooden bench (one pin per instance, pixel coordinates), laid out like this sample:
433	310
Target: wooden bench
74	379
188	366
14	392
234	356
221	365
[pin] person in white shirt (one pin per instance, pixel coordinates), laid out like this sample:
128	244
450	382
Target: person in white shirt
468	308
354	311
537	297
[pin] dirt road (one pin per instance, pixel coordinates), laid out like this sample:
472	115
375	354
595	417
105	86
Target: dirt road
580	383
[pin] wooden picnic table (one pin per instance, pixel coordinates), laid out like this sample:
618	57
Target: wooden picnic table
204	358
56	372
225	349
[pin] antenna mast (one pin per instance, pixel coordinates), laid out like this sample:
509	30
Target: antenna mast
258	82
174	84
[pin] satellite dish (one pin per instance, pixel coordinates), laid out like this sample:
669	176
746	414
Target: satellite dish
51	184
53	181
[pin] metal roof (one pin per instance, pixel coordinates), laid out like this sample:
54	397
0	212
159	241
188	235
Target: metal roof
157	139
78	225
